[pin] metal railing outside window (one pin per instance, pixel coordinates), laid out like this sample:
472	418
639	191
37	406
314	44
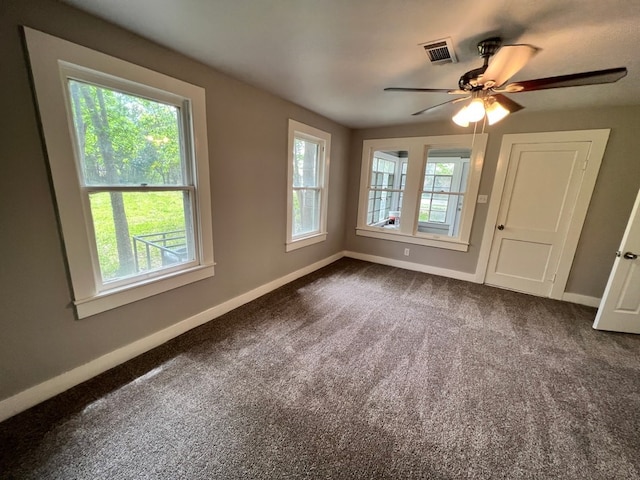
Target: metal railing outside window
155	250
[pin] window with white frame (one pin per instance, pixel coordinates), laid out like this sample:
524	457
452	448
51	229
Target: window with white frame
421	190
128	154
308	173
443	191
388	176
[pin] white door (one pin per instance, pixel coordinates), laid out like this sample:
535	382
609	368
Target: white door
541	192
620	306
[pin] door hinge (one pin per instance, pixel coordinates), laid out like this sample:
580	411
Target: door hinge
584	165
553	278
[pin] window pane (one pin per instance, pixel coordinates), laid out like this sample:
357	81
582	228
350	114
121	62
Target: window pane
306	211
380	204
428	183
375	175
138	232
433	208
382	172
403	176
387	180
439	203
442	184
425	207
125	140
444	168
390	167
305	163
438	216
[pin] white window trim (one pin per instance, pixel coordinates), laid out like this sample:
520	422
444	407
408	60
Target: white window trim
49	57
417	148
301	130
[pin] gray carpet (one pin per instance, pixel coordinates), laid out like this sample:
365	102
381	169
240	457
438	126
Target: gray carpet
357	371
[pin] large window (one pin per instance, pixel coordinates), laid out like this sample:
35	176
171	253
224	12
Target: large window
135	177
308	172
421	190
128	154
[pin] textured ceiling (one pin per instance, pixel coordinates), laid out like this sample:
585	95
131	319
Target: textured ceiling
336	56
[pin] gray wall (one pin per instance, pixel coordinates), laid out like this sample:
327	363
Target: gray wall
616	188
247	130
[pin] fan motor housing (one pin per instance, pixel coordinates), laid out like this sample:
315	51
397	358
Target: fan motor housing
489	47
469	81
486	48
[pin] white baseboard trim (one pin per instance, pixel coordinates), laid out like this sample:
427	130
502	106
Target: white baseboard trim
581	299
49	388
418	267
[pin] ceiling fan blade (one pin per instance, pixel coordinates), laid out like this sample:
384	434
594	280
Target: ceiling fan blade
435	106
403	89
506	63
573	80
456	100
507	103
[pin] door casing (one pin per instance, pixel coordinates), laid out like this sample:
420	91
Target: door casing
598	139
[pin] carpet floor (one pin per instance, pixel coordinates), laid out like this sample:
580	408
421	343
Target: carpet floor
357	371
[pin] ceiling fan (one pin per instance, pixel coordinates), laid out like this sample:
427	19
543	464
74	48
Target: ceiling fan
486	85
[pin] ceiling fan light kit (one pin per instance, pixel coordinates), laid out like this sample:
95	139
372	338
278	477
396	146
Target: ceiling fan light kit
475	110
461	118
480	107
486	85
495	111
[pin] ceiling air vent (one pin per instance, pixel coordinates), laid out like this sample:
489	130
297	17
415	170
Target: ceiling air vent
440	51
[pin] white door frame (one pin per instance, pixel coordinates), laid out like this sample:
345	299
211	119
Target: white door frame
598	139
611	314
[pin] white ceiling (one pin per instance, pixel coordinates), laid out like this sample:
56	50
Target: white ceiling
336	56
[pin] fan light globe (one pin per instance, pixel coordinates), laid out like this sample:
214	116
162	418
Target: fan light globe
475	110
496	112
460	118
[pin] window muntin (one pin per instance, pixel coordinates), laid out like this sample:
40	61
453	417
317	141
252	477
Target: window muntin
308	169
58	67
436	181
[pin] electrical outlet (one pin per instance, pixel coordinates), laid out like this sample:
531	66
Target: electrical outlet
483	198
406	252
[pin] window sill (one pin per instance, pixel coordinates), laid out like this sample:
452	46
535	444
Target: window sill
438	241
305	242
115	298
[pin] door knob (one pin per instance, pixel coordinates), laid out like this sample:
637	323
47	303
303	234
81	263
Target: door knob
500	227
630	256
